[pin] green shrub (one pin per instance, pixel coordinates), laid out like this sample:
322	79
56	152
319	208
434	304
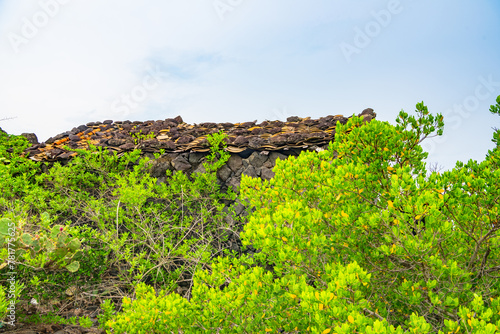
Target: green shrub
365	243
116	220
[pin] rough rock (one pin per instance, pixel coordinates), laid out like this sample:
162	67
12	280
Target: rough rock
160	166
250	171
31	137
257	159
200	169
235	163
223	173
266	173
180	163
271	162
195	157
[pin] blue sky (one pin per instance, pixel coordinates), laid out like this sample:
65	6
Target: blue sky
68	62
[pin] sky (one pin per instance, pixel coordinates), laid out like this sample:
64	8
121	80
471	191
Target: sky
64	63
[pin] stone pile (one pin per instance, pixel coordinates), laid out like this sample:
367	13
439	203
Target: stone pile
254	147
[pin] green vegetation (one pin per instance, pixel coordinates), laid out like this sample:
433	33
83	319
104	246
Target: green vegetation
359	238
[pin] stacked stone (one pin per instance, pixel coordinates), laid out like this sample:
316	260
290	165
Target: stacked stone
172	135
255	164
254	147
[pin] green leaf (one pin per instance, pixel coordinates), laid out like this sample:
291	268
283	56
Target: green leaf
26	239
74	245
5	224
73	266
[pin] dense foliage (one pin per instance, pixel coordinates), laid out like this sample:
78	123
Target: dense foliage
358	238
101	224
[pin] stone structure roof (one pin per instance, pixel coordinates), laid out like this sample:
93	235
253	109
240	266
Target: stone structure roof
174	136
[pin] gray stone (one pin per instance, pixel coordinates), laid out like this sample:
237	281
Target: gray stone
272	159
234	162
223	173
257	159
200	169
266	173
31	137
233	182
239	171
180	163
82	128
245	163
250	171
268	164
238	208
195	157
74	138
229	220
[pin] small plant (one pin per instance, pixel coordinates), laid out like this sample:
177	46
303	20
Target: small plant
8	297
140	137
217	151
49	248
85	322
108	310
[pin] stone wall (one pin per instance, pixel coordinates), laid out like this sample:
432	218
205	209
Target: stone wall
253	163
254	147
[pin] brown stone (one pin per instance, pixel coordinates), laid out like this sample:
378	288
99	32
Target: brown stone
235	162
160	166
278	140
174	135
266	173
185	140
127	147
255	142
116	142
167	145
240	141
293	119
